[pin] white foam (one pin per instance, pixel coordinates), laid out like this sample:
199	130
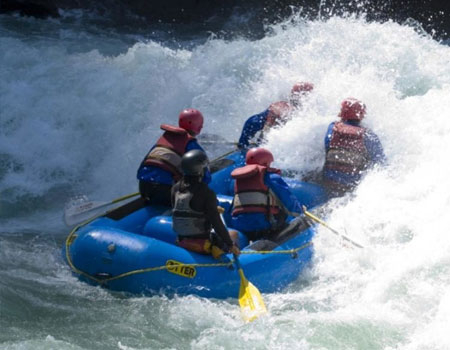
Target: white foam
85	120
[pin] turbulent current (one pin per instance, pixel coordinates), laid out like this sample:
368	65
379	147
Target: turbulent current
80	104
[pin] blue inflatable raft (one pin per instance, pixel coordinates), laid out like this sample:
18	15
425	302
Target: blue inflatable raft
133	249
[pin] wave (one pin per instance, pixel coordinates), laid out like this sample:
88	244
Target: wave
76	117
80	105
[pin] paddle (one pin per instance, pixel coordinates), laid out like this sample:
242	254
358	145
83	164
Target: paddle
219	142
250	299
316	219
211	139
78	212
223	155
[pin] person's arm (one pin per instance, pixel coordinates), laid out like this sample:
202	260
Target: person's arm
191	145
374	147
251	127
212	214
281	189
328	136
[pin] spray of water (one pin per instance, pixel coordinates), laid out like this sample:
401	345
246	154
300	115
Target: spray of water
79	121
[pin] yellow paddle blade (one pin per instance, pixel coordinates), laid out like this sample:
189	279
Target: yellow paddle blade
250	300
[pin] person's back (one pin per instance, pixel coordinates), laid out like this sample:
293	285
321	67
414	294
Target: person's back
195	211
350	149
262	200
277	114
161	167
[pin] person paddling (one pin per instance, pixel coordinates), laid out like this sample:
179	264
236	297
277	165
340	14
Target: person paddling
350	149
161	167
277	114
262	200
195	211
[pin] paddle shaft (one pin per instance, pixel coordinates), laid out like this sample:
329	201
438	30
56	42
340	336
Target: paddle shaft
120	199
315	218
239	268
236	261
213	142
223	155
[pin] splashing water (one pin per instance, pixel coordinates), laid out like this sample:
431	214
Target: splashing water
76	117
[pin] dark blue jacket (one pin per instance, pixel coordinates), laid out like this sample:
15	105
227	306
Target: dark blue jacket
249	222
251	127
374	150
157	175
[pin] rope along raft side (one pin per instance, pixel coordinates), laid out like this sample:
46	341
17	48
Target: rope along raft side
170	265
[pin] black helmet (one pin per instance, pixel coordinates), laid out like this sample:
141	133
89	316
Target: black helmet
194	162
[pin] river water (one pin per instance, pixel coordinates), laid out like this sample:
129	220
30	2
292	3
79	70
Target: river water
81	103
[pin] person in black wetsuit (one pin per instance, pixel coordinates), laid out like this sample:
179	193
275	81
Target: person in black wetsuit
195	211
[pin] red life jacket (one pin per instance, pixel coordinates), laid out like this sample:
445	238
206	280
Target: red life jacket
251	194
169	149
347	153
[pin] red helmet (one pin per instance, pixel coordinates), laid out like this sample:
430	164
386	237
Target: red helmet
300	90
191	120
259	156
352	109
278	113
302	87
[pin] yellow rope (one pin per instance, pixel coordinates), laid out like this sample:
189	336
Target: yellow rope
288	251
163	267
71	237
69	240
